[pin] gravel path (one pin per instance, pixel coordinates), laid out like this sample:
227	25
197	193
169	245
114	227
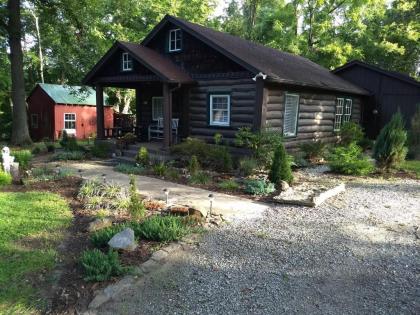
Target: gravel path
356	254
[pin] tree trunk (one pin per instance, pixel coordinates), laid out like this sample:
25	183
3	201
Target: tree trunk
20	132
38	38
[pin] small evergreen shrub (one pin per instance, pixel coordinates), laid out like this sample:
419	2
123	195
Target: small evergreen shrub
229	184
218	138
39	148
69	156
414	136
100	238
129	138
313	151
280	167
350	132
130	169
69	143
142	156
247	166
100	150
350	160
160	169
390	150
5	178
23	157
193	165
258	187
99	266
162	228
136	207
200	178
172	174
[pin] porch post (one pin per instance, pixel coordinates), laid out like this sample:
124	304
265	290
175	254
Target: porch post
138	114
100	125
167	116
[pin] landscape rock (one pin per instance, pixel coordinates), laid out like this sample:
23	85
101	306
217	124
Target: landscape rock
123	240
284	185
99	224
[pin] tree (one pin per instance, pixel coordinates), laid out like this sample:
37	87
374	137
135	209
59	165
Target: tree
20	132
280	167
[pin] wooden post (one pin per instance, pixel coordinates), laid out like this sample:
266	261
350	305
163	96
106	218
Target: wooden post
138	115
260	104
167	116
100	124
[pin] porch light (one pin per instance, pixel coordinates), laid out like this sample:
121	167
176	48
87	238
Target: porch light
211	199
166	192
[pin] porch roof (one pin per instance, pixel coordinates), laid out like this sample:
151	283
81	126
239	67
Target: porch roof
163	68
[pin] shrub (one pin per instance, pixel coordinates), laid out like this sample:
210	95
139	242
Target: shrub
258	187
218	138
69	143
39	148
350	132
390	150
23	157
247	166
349	160
129	138
313	151
193	165
142	156
136	207
366	144
90	188
44	173
100	238
262	144
99	266
160	169
5	178
50	145
69	156
280	167
130	169
229	184
414	136
101	150
200	178
172	173
162	228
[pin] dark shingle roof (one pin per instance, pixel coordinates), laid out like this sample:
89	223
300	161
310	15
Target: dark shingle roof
277	65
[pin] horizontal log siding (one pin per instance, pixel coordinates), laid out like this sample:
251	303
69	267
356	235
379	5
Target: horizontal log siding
242	97
316	115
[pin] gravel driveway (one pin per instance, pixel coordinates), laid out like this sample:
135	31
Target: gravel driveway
356	254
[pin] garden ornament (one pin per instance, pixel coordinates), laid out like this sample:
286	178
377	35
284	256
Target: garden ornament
7	159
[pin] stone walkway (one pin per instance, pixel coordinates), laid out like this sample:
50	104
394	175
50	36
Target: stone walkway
230	207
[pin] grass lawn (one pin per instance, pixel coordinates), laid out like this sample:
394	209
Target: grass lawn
412	166
31	226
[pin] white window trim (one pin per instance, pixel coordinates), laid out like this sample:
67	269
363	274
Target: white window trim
347	114
174	40
344	116
35	126
296	115
70	131
153	105
218	123
127	62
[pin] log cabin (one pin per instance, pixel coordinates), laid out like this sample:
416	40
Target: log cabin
211	82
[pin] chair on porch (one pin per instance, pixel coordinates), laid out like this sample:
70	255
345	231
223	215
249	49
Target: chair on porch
155	131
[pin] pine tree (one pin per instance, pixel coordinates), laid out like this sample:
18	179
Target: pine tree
280	167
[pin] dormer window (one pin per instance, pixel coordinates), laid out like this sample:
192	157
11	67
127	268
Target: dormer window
127	62
175	40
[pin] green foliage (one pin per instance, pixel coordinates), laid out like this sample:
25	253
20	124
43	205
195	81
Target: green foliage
99	266
100	238
142	156
247	166
349	160
136	207
129	137
350	132
314	151
39	147
90	188
45	173
258	187
414	136
218	138
23	157
5	178
162	228
229	184
412	166
100	150
69	156
193	165
200	178
390	150
262	144
130	169
69	143
172	174
280	167
160	169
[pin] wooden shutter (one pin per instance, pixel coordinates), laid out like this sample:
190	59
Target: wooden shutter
291	110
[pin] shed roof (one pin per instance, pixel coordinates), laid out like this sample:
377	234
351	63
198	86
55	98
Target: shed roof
279	66
70	94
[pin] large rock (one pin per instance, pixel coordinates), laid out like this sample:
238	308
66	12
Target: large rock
123	240
99	224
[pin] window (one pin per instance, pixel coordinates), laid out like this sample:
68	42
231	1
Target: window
34	121
219	110
343	108
291	110
157	107
127	62
175	40
70	122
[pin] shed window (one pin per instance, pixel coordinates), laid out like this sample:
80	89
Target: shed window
127	62
157	107
175	40
70	122
343	111
219	110
34	121
291	110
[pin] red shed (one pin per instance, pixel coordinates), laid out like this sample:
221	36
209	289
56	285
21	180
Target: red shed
54	108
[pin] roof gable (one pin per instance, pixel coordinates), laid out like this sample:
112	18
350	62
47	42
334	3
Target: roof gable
277	65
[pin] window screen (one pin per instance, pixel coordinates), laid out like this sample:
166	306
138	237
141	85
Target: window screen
291	110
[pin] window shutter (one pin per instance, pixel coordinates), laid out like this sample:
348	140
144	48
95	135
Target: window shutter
291	109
